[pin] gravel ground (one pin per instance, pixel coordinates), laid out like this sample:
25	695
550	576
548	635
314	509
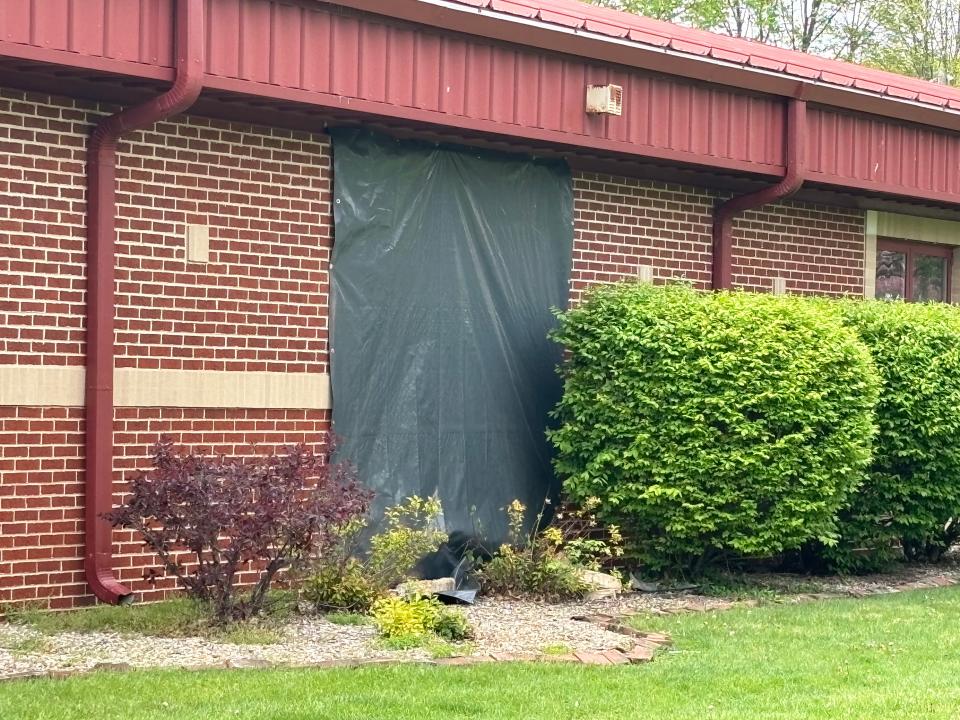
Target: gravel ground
501	626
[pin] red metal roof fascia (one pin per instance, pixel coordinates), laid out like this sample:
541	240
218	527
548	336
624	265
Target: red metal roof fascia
430	117
872	187
760	54
87	62
899	102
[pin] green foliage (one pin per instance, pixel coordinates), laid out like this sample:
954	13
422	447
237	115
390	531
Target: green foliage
342	582
410	532
181	617
537	563
347	618
341	588
712	423
417	617
453	626
912	494
404	617
170	618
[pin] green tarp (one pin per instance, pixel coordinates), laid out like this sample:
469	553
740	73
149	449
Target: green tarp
446	265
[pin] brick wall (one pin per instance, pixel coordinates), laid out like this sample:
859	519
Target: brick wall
622	224
261	302
819	250
41	230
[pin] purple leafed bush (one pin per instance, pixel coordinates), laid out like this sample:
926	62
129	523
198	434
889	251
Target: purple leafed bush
209	517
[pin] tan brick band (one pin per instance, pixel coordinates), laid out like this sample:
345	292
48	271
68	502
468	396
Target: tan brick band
62	386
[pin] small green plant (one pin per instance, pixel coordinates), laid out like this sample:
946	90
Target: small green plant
404	642
405	617
556	649
341	588
418	619
548	563
346	618
442	649
344	580
410	532
453	626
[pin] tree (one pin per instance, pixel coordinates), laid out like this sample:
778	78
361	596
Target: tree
918	37
912	37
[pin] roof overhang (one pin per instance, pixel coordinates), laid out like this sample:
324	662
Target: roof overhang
488	22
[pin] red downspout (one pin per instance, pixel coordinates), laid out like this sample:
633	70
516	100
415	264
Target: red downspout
791	182
101	239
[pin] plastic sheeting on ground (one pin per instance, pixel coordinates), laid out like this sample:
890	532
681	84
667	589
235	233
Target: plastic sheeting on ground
446	265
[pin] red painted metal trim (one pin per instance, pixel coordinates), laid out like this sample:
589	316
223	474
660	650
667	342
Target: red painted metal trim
371	108
796	127
647	55
87	62
101	240
892	190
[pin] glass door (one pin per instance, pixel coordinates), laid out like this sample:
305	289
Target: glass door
918	272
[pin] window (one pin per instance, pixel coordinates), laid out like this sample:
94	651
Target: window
913	271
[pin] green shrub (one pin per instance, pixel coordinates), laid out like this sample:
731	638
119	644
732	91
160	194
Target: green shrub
515	573
912	494
418	617
406	617
712	423
453	626
539	563
410	532
341	588
346	579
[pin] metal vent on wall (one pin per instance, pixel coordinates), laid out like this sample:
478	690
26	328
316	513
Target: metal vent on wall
604	99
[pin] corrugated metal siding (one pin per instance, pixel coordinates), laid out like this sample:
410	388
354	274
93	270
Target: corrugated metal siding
894	157
133	30
425	74
314	49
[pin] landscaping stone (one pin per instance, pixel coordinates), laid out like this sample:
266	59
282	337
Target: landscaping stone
616	657
426	587
639	655
592	658
604	585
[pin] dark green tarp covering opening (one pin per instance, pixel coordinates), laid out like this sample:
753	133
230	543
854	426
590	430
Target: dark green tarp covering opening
446	265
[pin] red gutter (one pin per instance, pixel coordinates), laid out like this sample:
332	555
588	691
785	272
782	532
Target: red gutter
101	240
793	178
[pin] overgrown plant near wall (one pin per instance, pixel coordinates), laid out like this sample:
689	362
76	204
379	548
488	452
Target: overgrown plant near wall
912	492
344	578
208	518
547	562
712	423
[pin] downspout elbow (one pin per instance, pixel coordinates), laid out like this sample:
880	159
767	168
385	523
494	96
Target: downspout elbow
792	181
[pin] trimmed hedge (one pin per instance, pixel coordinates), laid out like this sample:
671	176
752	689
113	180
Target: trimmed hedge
912	493
712	423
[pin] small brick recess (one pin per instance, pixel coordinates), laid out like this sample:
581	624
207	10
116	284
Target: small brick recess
261	302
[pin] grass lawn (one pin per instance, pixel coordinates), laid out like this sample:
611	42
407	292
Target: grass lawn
895	656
